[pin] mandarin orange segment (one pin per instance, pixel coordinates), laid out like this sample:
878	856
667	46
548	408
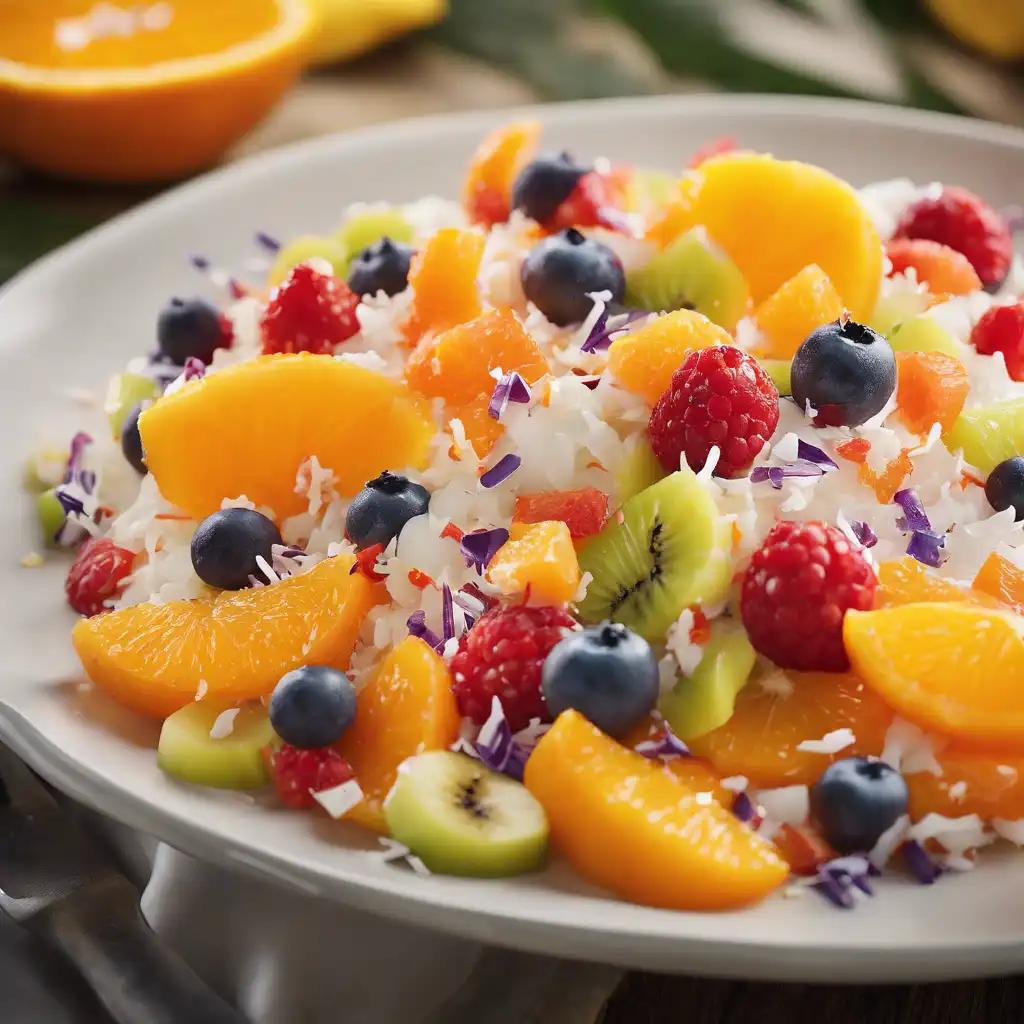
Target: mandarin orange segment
806	301
247	428
538	559
487	189
643	361
770	721
406	708
990	785
907	581
678	216
954	668
443	279
941	269
999	578
628	825
156	658
931	388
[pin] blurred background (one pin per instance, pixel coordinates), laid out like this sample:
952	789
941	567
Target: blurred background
102	104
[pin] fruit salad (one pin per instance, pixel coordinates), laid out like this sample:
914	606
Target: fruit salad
666	522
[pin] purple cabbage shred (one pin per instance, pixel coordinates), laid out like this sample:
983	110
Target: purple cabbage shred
810	453
837	879
510	388
664	747
195	369
447	612
925	870
601	335
496	746
914	516
480	546
777	474
863	533
267	242
501	470
200	262
927	548
743	807
417	626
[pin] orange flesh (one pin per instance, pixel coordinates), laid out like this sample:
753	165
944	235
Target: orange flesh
932	388
805	302
1002	580
443	282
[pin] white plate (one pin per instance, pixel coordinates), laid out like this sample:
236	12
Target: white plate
81	313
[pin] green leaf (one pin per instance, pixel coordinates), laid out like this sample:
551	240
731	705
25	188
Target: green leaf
31	230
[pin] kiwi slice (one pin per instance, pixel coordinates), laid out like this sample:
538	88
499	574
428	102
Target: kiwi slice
364	227
668	552
703	701
460	818
692	273
779	371
305	248
124	392
638	468
988	434
922	334
234	761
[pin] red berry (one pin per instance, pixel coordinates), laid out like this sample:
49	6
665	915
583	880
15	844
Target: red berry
366	563
964	222
719	396
298	774
502	656
227	331
801	582
1001	329
584	511
96	575
309	312
595	195
716	147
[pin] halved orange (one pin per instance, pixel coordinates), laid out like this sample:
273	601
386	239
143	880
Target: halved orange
123	91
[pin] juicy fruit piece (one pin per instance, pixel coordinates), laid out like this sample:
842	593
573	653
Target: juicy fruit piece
563	270
846	372
650	191
768	214
596	195
667	554
803	848
153	658
363	228
950	667
931	388
856	800
443	282
942	269
890	480
189	752
190	329
704	700
627	824
692	273
544	184
487	189
97	575
380	510
1001	579
227	544
131	442
897	308
781	373
906	581
309	312
1001	329
638	469
298	774
502	656
584	511
312	706
988	434
607	673
406	708
45	469
720	397
964	222
126	392
381	267
774	714
644	360
922	334
461	818
304	249
992	785
50	514
800	583
538	559
204	444
806	301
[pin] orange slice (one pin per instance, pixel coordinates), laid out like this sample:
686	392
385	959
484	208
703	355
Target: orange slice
1000	579
134	92
907	581
487	189
990	785
805	302
539	559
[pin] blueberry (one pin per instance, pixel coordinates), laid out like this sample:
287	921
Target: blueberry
563	269
382	267
857	799
544	184
131	440
380	510
1004	487
226	544
312	706
189	328
846	371
607	673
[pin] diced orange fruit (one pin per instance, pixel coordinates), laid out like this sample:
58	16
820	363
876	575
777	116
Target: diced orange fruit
443	282
760	740
932	388
156	658
999	578
538	559
890	480
643	361
584	511
954	668
972	782
855	450
907	581
938	267
775	217
627	824
487	190
247	428
803	847
805	302
406	708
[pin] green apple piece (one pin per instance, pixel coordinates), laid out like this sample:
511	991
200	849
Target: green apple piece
922	334
124	392
304	249
51	515
364	227
988	434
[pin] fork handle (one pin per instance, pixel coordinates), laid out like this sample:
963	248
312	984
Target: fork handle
137	978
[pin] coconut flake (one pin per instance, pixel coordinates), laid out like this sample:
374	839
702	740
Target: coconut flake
735	783
909	750
787	805
224	724
830	743
889	842
339	800
1011	830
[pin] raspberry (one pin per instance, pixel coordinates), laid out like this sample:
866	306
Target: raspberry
502	656
801	582
96	575
719	396
309	312
1001	329
589	203
298	774
964	222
